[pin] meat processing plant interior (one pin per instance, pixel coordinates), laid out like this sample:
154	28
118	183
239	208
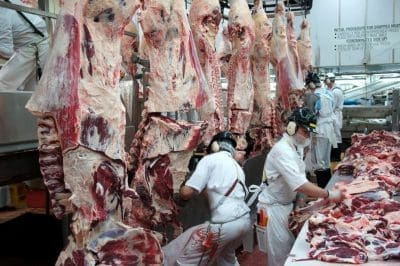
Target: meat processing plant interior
199	132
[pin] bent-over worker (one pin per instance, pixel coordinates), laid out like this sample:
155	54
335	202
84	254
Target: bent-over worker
223	179
284	169
24	44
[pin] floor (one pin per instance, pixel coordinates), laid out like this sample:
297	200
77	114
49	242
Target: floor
255	258
20	237
30	239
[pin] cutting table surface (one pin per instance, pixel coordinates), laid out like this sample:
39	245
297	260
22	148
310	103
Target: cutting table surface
301	247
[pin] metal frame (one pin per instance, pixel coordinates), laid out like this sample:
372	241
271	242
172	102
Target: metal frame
29	9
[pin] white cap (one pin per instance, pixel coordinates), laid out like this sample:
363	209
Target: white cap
330	75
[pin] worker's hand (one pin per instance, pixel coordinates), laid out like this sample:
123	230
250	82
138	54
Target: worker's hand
335	195
301	200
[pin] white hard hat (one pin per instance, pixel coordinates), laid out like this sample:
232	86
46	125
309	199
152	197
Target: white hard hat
330	75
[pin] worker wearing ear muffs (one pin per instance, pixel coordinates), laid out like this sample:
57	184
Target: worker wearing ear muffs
215	241
284	173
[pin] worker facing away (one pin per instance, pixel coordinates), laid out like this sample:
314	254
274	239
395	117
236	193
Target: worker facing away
24	44
338	100
215	241
284	170
326	137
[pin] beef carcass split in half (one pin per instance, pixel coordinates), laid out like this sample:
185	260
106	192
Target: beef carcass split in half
262	126
288	83
161	150
176	81
81	134
304	48
162	147
292	45
205	17
240	99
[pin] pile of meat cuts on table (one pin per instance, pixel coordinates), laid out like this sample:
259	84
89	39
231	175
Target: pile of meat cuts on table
366	225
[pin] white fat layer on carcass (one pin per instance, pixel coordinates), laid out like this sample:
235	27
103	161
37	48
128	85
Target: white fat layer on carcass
179	168
292	44
224	50
204	18
260	57
240	93
279	45
97	91
79	166
69	252
393	219
176	81
317	218
164	136
240	82
138	238
356	187
304	47
45	98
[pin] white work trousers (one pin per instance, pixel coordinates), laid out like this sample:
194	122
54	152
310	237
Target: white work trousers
323	152
188	248
279	238
20	70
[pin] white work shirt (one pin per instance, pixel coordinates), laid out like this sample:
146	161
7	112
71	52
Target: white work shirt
338	104
285	172
15	32
216	173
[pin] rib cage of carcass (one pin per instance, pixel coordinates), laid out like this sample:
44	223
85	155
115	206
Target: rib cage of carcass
81	128
162	147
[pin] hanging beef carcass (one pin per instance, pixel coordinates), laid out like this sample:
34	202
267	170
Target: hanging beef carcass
240	97
224	51
304	48
292	45
81	134
162	147
176	78
161	150
205	17
288	83
262	126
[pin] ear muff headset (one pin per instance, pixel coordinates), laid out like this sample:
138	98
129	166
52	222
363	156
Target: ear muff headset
215	146
291	128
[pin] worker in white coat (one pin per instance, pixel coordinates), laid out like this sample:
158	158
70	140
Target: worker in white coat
24	44
215	241
284	172
326	137
338	100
